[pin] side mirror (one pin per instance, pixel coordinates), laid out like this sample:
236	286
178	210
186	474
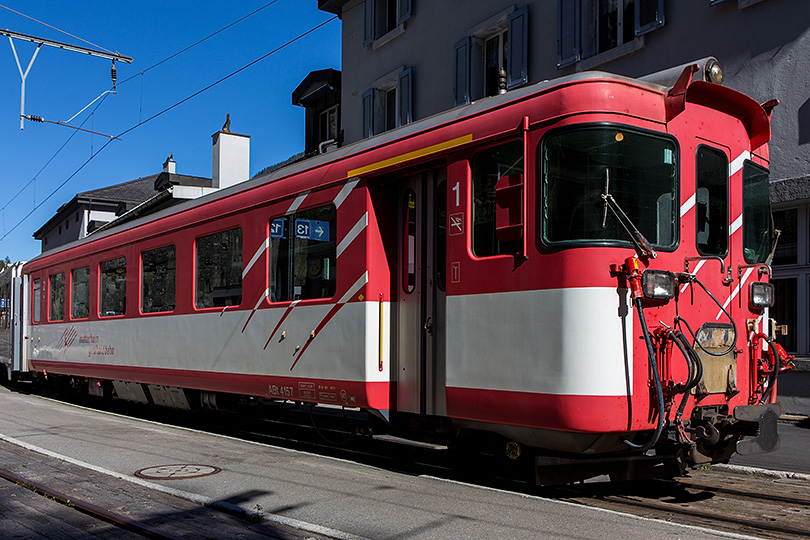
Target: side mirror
509	208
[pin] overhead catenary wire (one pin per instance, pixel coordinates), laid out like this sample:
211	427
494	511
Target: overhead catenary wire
164	111
140	116
57	29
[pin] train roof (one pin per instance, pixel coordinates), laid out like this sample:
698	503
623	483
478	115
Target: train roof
421	126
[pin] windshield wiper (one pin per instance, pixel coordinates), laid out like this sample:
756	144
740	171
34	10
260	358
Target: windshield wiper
642	244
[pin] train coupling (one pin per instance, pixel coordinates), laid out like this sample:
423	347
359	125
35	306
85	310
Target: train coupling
764	418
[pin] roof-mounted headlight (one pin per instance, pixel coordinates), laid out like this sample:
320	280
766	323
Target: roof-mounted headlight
713	71
658	284
761	295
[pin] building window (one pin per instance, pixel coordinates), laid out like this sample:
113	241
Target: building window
80	293
389	104
791	266
57	296
36	301
785	311
328	125
219	269
786	221
488	167
113	287
302	255
383	16
586	28
711	203
158	270
501	51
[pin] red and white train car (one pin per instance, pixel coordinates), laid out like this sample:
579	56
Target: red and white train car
525	265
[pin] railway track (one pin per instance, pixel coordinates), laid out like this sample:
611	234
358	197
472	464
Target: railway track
758	506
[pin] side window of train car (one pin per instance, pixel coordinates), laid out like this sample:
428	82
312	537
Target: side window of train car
302	255
711	202
113	291
219	269
756	223
80	293
638	169
36	301
489	166
56	288
158	272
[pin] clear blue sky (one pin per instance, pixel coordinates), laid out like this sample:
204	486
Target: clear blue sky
61	83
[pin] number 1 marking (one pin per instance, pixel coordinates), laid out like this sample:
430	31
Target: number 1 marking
456	188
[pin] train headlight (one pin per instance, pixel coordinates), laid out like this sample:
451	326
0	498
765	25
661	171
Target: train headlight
762	295
658	284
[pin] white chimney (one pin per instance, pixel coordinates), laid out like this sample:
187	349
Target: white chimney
169	164
231	159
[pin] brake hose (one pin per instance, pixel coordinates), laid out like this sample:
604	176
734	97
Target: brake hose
656	380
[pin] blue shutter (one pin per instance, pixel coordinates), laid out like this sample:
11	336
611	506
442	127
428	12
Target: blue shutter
404	11
713	2
568	47
368	114
517	61
405	97
461	81
368	21
649	15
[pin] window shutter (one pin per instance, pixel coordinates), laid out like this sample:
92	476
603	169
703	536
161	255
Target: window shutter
405	96
404	11
461	82
368	114
649	15
517	68
368	21
568	48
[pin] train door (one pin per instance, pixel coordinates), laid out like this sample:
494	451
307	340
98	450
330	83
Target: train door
19	323
421	295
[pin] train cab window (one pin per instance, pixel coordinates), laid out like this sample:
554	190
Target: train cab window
56	289
113	291
638	169
302	255
36	301
80	293
488	167
219	269
756	216
711	204
158	272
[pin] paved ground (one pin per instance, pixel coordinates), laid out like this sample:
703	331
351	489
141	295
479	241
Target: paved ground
793	454
281	484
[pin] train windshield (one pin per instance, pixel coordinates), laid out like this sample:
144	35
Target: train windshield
756	213
638	169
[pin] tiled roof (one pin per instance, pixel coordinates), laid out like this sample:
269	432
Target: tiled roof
134	191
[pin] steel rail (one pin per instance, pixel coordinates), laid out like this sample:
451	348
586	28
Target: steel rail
90	509
757	525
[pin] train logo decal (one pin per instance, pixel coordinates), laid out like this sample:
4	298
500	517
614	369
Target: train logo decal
68	337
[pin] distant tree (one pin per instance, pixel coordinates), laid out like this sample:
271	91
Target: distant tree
5	262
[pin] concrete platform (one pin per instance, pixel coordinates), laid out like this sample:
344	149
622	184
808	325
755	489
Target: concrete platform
298	495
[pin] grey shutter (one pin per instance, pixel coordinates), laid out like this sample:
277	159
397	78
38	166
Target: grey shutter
461	82
368	114
368	21
404	11
568	48
405	96
649	15
517	62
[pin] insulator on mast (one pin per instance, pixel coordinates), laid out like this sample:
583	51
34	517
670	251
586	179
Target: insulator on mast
113	75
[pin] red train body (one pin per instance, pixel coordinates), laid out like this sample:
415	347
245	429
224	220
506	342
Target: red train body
526	265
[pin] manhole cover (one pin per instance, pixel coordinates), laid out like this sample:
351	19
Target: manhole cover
176	472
